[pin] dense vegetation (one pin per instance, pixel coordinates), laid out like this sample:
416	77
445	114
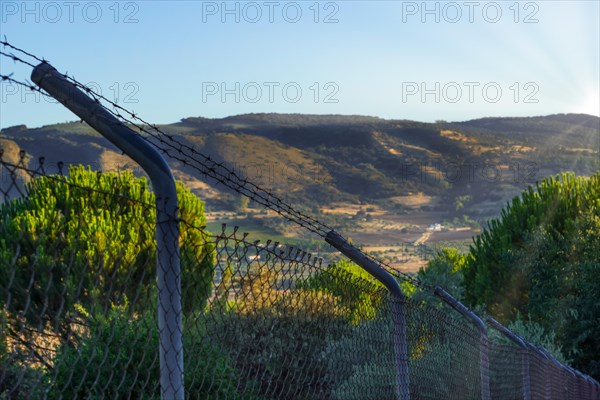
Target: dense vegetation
78	257
260	335
118	359
77	246
85	237
537	266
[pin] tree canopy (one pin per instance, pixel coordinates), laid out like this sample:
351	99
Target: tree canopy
88	238
541	260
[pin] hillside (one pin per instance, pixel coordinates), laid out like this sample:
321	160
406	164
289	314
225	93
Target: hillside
354	158
383	181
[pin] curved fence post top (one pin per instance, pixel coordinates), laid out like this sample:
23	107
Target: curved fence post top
337	241
167	227
461	308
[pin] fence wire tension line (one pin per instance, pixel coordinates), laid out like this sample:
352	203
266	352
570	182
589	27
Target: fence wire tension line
94	306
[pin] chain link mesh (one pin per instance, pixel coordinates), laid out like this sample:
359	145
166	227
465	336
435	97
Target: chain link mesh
260	320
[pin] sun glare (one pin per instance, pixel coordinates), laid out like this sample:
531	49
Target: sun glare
590	104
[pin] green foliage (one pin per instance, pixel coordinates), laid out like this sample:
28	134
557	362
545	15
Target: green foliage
368	382
89	237
553	205
361	365
445	369
564	290
118	359
542	260
445	271
536	333
460	201
276	337
355	288
19	381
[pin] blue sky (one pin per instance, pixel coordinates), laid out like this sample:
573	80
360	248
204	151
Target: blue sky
393	59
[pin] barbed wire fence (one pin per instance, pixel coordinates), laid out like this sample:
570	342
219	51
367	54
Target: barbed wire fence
260	320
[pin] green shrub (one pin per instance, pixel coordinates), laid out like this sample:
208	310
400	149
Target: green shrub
541	260
89	238
19	381
118	358
362	365
277	337
494	274
368	382
355	288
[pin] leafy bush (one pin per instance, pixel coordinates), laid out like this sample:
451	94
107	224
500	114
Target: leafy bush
445	271
277	337
118	359
536	333
89	238
19	381
549	209
368	382
541	260
355	288
362	365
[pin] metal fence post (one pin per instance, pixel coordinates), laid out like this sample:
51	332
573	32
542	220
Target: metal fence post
592	388
524	358
484	359
398	314
547	372
595	388
575	380
563	370
167	227
581	391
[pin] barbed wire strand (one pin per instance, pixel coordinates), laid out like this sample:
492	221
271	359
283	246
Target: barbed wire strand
58	177
5	43
189	156
240	185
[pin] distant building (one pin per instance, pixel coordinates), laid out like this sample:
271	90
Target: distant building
435	227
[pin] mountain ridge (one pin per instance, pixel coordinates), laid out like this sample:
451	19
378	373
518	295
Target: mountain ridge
332	158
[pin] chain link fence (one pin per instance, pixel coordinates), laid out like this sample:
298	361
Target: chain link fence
260	320
80	307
